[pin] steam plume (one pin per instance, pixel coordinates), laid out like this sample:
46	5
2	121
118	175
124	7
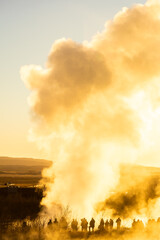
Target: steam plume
136	198
96	105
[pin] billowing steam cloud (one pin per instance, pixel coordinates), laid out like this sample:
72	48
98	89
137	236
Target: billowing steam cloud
138	197
97	105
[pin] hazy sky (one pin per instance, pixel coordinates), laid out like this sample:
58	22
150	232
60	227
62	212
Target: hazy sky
27	32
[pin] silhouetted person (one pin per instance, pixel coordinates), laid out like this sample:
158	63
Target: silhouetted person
63	223
158	223
101	225
111	224
25	227
137	225
55	221
134	224
50	222
24	224
151	224
118	221
92	224
74	225
140	225
106	225
55	224
84	224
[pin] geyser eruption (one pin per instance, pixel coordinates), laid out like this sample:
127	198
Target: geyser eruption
96	105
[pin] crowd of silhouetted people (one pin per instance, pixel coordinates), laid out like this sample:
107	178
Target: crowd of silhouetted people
151	224
85	225
103	225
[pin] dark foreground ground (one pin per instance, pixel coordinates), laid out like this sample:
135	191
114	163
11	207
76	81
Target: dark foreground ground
17	203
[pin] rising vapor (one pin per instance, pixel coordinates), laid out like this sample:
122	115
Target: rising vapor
95	106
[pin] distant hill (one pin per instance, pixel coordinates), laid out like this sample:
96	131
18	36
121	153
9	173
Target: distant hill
22	171
138	171
24	162
28	172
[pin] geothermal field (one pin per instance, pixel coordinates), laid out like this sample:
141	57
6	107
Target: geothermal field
22	216
94	109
